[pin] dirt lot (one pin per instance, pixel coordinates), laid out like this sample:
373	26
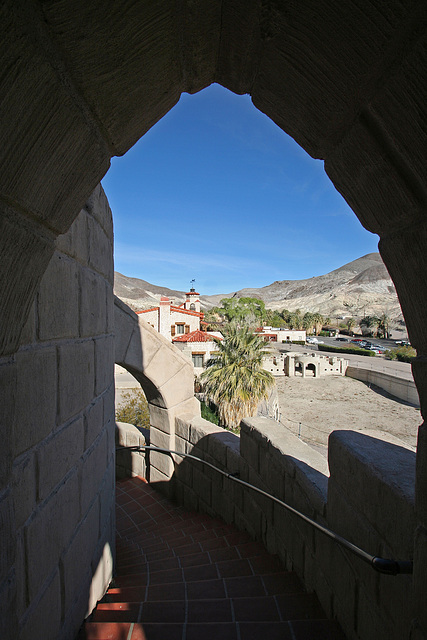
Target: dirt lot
325	404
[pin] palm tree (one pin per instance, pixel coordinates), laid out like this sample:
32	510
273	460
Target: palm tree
368	324
295	319
382	326
350	322
235	380
318	322
308	322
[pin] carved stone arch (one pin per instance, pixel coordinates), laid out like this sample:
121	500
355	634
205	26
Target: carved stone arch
165	375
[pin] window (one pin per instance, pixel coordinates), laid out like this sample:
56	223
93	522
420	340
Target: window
179	329
192	307
197	359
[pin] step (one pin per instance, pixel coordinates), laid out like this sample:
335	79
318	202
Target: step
185	575
289	630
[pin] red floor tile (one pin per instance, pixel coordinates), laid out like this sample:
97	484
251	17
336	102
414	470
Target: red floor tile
234	568
206	590
251	586
255	609
172	611
267	630
166	577
174	591
210	611
182	574
215	631
229	553
159	631
204	572
195	560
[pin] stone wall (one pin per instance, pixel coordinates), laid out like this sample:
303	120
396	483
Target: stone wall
130	463
369	499
57	510
395	386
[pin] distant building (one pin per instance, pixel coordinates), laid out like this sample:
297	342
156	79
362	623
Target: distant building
271	334
293	364
198	346
171	320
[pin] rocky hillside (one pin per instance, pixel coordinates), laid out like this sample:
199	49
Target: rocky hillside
357	288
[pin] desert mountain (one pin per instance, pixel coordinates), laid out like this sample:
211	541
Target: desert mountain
361	287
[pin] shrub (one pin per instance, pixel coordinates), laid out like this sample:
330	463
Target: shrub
133	409
403	354
354	350
208	413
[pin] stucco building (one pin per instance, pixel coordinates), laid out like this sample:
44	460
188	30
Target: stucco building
271	334
198	346
171	320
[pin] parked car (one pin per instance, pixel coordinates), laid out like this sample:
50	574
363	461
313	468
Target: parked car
312	340
341	339
403	343
377	349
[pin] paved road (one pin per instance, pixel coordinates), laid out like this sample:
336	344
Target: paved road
124	382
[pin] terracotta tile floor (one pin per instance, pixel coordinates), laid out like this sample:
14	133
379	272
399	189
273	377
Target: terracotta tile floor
185	576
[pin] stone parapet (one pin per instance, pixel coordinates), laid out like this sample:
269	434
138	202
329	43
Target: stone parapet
368	498
395	386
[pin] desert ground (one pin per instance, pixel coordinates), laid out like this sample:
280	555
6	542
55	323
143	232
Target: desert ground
329	403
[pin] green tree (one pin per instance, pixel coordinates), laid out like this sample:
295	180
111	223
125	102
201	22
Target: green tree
318	322
243	310
235	380
350	323
382	326
134	409
308	322
368	324
296	320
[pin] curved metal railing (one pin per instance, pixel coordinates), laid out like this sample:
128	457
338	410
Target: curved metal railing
381	565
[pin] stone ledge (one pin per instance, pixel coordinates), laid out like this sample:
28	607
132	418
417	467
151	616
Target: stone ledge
377	477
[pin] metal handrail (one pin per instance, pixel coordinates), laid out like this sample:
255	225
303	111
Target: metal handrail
381	565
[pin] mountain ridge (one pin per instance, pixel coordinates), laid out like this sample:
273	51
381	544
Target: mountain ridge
360	287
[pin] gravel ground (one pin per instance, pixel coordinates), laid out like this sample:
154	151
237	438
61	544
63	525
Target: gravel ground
329	403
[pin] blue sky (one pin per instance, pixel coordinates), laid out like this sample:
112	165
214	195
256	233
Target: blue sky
215	191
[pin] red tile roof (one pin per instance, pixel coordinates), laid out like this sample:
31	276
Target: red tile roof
196	336
199	314
178	309
147	310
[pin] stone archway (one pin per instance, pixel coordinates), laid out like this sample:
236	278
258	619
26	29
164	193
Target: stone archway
166	377
82	82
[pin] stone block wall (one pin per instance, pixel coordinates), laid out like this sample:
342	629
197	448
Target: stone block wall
130	463
368	498
57	496
395	386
